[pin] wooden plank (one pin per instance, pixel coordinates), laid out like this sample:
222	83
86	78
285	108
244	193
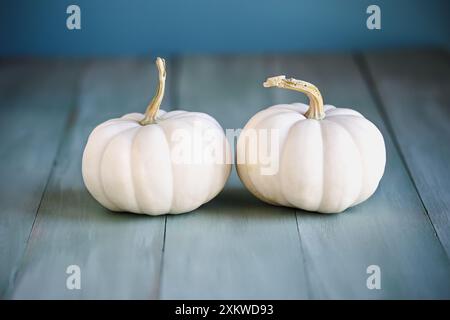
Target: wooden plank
36	99
414	90
235	246
390	230
119	254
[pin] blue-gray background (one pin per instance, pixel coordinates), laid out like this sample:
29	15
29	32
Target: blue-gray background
137	27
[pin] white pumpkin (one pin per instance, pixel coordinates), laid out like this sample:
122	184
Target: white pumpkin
141	163
323	158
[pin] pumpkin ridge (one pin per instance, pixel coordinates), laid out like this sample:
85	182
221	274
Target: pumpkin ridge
258	192
281	157
243	166
95	179
100	166
208	118
359	154
253	190
323	165
171	168
132	170
364	124
213	193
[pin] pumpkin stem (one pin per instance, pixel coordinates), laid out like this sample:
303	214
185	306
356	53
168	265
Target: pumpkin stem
315	110
153	107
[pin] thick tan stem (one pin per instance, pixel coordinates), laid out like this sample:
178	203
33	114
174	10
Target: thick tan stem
315	110
153	107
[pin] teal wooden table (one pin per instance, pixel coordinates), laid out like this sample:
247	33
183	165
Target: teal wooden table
235	246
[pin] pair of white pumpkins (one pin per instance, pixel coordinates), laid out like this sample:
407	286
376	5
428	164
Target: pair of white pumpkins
327	158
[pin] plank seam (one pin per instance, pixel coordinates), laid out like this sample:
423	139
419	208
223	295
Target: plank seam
161	262
309	290
364	69
173	98
272	60
68	126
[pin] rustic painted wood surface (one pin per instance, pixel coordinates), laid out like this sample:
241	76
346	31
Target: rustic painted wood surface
414	91
383	231
235	246
119	254
34	110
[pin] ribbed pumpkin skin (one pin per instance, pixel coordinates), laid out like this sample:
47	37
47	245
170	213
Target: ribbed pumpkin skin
130	167
324	165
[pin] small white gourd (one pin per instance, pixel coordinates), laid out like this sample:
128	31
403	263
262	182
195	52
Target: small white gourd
324	159
135	163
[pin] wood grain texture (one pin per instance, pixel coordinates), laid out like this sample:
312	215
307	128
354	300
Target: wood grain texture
390	230
414	91
235	246
36	99
119	254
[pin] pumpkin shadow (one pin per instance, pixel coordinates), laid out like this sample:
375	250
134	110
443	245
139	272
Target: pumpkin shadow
232	202
234	198
239	202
